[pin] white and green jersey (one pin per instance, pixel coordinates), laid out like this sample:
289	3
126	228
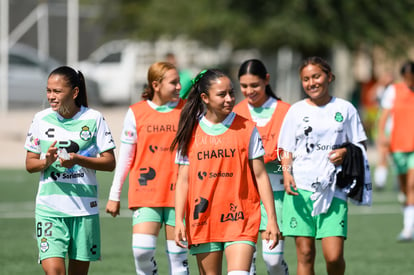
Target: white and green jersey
68	192
311	132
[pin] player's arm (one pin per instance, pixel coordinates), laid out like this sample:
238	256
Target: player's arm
35	164
181	191
105	161
266	195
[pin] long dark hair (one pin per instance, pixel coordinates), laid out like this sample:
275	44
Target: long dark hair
193	109
73	79
257	68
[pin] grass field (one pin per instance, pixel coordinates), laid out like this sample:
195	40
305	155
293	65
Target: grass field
370	249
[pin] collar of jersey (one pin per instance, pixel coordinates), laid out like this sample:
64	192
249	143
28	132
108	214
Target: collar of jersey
218	128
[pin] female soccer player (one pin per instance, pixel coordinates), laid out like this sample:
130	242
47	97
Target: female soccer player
149	128
67	143
312	133
263	107
221	179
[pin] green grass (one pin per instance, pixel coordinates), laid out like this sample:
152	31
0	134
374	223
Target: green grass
370	249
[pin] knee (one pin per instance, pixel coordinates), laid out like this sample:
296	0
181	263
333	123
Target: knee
306	254
335	262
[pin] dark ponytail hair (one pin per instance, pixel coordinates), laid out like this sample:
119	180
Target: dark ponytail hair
193	109
257	68
73	79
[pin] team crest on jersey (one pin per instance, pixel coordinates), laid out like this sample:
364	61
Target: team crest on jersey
85	134
44	245
339	117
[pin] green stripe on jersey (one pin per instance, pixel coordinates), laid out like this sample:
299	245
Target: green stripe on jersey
261	112
68	189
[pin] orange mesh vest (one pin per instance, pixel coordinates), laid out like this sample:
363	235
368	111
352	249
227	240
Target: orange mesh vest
223	203
270	132
153	173
402	134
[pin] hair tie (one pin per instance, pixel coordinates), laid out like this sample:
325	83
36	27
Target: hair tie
198	77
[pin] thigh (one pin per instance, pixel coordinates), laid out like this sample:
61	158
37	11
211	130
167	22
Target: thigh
78	267
54	265
147	220
334	222
333	248
86	239
210	262
401	162
278	200
169	216
239	255
53	237
410	161
297	215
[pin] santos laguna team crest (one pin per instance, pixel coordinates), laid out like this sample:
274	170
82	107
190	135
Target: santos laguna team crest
339	117
85	134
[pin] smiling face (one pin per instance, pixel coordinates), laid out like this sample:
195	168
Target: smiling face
254	89
61	96
167	89
315	83
219	100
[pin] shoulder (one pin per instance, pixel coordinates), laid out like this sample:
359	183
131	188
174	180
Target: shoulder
299	105
339	102
238	119
44	113
240	106
283	103
89	112
139	104
282	106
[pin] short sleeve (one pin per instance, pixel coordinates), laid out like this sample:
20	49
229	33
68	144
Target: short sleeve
256	149
104	139
129	130
387	101
32	143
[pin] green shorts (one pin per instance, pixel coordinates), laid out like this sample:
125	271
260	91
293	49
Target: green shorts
215	246
403	161
298	220
79	237
278	199
154	214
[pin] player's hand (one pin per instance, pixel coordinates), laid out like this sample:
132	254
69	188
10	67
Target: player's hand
180	234
272	234
69	162
290	184
112	207
51	154
337	156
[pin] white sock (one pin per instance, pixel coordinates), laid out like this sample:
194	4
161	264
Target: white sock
177	257
380	176
408	220
275	263
143	248
238	272
253	265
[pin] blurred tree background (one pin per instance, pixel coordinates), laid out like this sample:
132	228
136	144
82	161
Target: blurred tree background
307	26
